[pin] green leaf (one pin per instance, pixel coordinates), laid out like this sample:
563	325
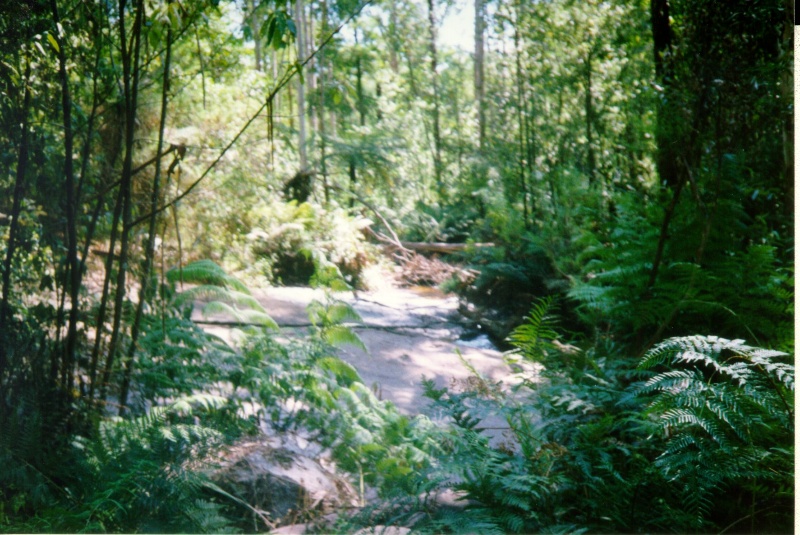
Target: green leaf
344	372
339	335
53	42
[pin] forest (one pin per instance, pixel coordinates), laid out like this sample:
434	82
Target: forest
606	187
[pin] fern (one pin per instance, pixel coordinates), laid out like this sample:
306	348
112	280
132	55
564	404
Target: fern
205	272
533	338
140	474
327	318
223	293
245	317
726	410
709	279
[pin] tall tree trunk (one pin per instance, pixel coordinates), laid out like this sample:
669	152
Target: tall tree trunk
321	66
521	120
301	96
130	79
254	20
19	189
311	68
666	157
351	167
73	274
480	97
437	136
589	115
151	232
274	65
359	84
394	45
104	298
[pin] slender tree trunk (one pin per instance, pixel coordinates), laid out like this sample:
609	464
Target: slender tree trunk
311	68
480	97
359	84
351	167
87	153
130	78
274	65
151	233
105	296
202	66
521	120
530	136
73	275
322	101
589	115
255	26
437	136
19	189
394	46
301	97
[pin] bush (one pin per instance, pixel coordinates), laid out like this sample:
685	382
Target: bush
597	444
294	243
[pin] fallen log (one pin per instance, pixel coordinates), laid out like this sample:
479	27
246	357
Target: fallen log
440	247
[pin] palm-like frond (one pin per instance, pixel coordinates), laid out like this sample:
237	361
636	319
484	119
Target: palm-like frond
723	406
244	316
205	272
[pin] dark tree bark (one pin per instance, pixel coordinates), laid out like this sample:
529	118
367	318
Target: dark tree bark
666	157
351	168
130	79
72	281
19	189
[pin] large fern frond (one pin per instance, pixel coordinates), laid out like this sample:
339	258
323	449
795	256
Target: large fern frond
727	412
205	272
533	338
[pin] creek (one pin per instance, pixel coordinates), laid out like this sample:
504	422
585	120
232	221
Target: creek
410	334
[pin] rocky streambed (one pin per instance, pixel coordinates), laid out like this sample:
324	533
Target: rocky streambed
410	334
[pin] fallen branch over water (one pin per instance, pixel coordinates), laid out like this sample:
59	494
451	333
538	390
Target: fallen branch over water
441	247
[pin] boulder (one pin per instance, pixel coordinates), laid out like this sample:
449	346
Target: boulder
282	483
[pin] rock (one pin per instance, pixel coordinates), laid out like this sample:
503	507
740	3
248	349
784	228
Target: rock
383	530
290	529
282	482
449	499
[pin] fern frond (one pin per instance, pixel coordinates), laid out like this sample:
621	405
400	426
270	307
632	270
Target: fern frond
246	316
340	335
205	272
344	372
340	312
723	406
534	337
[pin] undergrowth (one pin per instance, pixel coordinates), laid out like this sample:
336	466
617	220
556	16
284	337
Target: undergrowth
697	438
